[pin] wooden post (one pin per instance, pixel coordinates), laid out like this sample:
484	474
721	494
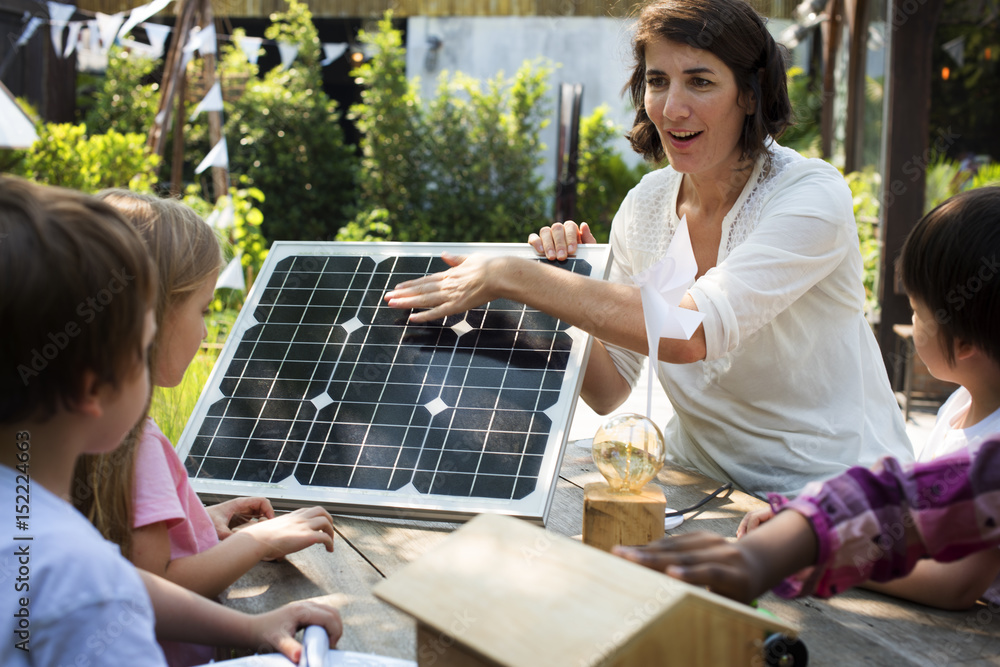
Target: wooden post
611	519
831	44
220	175
177	165
906	137
156	141
856	12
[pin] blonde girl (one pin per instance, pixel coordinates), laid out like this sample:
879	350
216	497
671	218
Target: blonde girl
139	496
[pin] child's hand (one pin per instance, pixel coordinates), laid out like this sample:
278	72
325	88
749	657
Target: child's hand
292	532
702	559
276	629
753	519
232	513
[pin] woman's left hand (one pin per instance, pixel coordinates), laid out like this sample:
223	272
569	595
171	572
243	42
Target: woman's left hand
470	282
230	514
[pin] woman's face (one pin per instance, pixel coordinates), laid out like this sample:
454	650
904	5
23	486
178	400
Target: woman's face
692	99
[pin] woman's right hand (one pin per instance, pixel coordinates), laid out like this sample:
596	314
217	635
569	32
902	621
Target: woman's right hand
560	240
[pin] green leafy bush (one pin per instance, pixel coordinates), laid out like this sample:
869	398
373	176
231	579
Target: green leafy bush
125	101
603	178
67	156
462	167
284	137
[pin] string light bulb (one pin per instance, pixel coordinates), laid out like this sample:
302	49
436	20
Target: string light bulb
628	450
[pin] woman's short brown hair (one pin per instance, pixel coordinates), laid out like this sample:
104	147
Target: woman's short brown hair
733	32
77	283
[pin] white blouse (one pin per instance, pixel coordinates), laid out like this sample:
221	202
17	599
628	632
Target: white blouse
793	388
946	437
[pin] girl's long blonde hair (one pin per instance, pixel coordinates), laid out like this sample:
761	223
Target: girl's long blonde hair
186	252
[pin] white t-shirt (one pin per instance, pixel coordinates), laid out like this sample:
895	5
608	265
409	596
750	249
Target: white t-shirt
793	388
86	605
946	437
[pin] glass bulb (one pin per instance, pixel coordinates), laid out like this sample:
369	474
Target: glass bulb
629	451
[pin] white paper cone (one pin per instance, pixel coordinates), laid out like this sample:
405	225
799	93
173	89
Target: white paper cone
251	48
29	30
107	26
232	276
662	287
217	157
157	36
288	53
72	38
140	14
211	102
332	51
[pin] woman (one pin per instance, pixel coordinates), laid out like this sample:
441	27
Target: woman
783	383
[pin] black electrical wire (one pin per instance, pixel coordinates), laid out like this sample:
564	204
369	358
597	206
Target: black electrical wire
725	487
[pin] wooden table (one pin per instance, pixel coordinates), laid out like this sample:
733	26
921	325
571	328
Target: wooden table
856	628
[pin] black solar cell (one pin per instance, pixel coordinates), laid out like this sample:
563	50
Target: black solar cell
325	395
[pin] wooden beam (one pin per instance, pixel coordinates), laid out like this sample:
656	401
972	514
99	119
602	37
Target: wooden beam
906	151
156	141
856	12
220	175
830	31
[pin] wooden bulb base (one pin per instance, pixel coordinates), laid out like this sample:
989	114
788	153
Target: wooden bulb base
622	520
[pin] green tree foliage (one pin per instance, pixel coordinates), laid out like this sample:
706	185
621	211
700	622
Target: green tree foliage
67	156
603	178
284	136
806	95
461	167
125	101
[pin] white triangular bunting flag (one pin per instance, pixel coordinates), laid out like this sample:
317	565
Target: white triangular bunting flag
662	287
29	30
94	30
107	25
956	49
332	51
211	102
208	40
138	48
288	53
217	157
157	36
251	47
59	16
232	276
72	38
140	14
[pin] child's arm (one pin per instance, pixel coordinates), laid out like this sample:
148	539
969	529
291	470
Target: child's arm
183	616
211	572
957	585
740	570
863	524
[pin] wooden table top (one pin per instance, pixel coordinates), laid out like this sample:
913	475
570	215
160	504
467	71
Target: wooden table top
855	628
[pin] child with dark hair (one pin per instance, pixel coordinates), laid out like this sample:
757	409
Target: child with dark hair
78	290
877	524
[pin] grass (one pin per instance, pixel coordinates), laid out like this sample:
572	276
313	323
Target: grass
171	408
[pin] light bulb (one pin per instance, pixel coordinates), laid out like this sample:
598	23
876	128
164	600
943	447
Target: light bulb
629	451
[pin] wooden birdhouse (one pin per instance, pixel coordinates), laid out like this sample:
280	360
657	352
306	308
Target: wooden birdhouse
500	591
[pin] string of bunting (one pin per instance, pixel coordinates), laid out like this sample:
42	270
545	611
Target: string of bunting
103	30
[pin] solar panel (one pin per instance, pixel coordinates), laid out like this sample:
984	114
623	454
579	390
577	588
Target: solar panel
324	395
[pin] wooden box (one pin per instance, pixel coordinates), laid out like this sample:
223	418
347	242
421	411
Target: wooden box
500	591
